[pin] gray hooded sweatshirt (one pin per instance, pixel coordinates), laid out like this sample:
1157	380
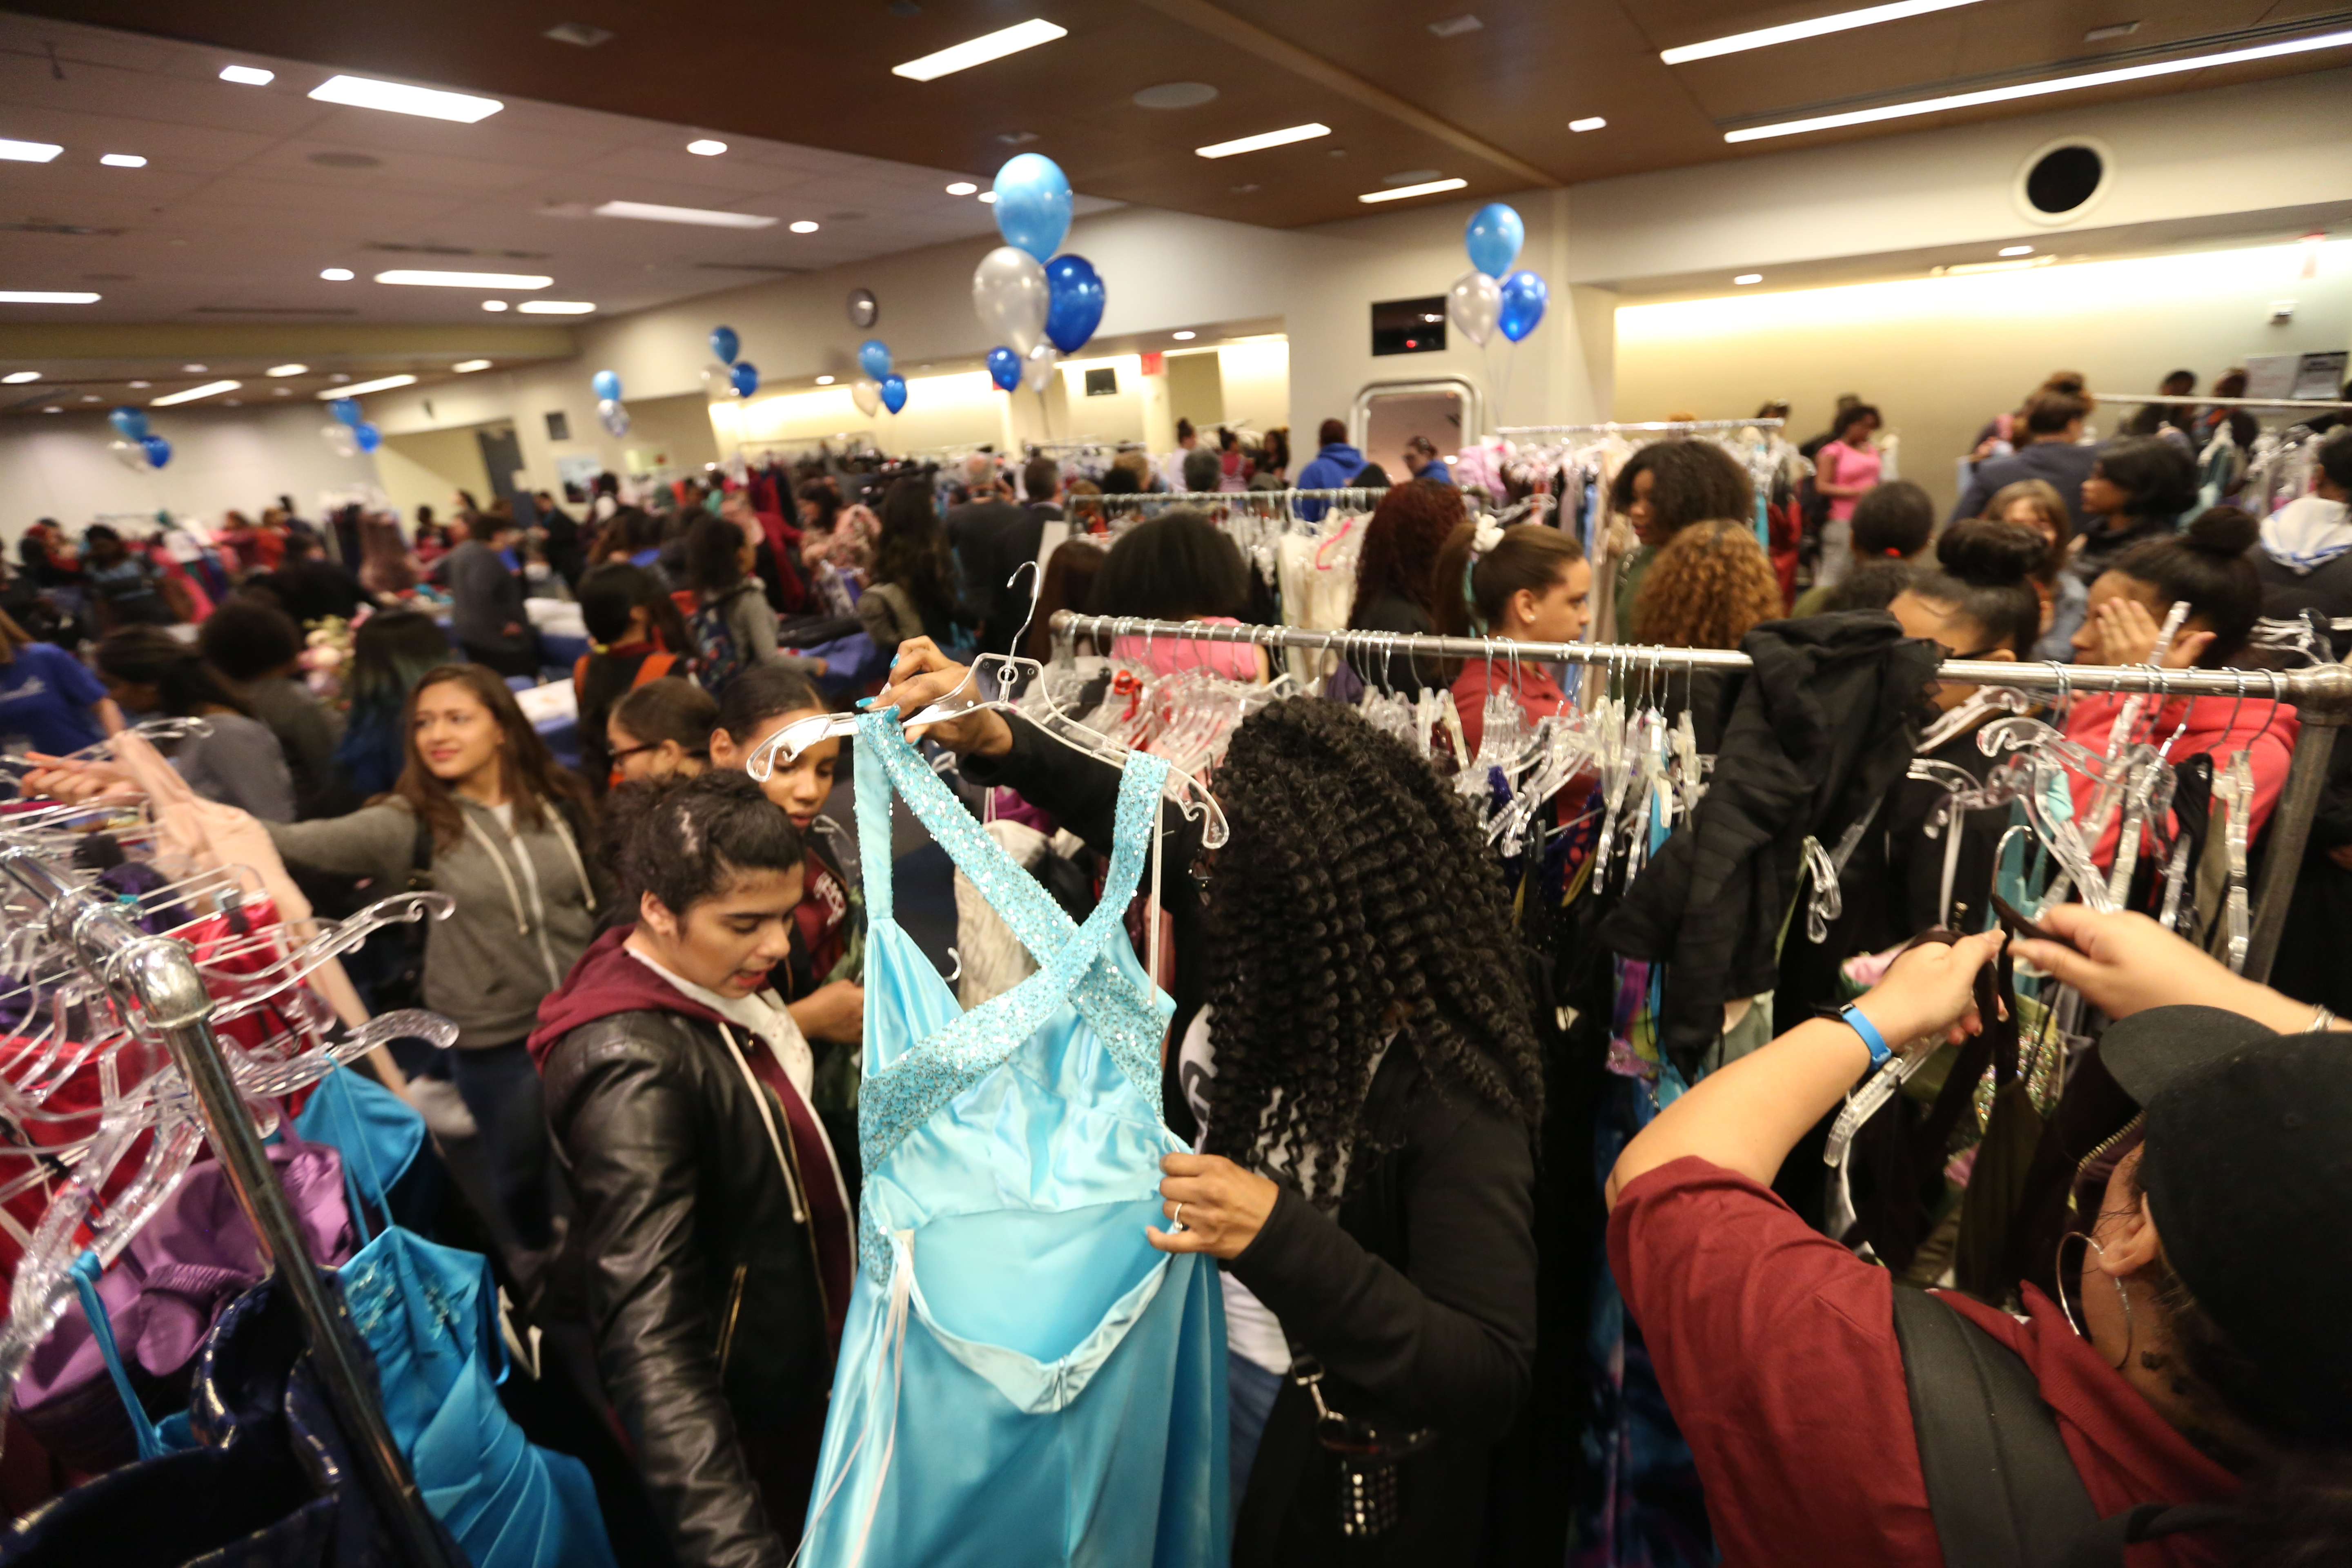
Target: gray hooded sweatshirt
526	909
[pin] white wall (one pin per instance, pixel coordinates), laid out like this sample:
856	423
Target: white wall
58	466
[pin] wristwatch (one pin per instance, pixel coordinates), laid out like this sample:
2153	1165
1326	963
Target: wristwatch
1879	1050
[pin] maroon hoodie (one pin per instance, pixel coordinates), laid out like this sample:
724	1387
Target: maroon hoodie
609	979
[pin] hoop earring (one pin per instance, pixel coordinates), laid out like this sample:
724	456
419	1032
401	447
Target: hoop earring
2066	1306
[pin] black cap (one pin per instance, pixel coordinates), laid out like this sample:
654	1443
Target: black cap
2247	1172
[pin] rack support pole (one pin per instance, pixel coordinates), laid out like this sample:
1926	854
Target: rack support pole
2290	831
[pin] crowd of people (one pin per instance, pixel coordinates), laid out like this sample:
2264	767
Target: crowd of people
655	961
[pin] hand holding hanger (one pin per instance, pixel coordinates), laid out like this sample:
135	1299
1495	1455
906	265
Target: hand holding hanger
2124	962
921	676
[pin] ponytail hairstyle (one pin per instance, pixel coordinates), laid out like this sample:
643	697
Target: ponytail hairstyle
2207	566
684	840
1482	566
1894	521
1985	577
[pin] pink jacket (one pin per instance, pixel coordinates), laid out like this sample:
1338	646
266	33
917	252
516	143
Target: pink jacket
2218	727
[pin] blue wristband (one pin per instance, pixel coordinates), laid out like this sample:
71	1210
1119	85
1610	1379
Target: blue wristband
1870	1035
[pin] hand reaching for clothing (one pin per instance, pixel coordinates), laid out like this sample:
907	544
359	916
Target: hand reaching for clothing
2125	963
1220	1206
1929	993
920	677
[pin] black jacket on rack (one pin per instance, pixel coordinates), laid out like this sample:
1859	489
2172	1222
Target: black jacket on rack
1417	1296
1821	728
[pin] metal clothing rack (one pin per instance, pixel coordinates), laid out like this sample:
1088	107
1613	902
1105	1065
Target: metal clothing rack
2322	696
1645	427
2191	400
159	975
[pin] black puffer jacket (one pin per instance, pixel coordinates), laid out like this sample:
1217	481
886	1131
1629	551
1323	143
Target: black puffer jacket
702	1288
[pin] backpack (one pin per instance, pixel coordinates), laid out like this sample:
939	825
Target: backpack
717	659
2002	1489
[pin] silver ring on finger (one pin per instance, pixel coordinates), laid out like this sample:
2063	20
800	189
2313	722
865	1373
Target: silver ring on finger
1176	1219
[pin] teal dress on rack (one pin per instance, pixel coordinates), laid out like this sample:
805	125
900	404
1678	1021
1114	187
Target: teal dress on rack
1023	1379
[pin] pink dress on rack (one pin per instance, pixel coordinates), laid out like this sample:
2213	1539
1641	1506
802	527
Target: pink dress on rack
1167	654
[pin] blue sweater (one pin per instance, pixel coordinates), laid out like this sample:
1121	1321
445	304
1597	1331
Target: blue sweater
1331	469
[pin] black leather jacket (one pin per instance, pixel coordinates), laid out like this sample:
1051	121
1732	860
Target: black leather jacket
702	1289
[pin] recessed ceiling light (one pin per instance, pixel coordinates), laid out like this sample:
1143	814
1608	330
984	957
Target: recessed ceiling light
824	381
1591	122
398	98
189	394
468	366
653	212
1748	277
582	34
1263	139
705	148
122	159
2111	30
196	369
961	188
247	76
53	408
141	385
981	50
284	392
555	307
494	304
339	375
287	370
19	377
231	402
2016	251
1764	37
1016	138
987	196
1175	95
1963	269
433	280
385	384
336	274
1184	337
45	297
29	151
2039	89
1454	27
805	226
90	397
1427	189
1244	189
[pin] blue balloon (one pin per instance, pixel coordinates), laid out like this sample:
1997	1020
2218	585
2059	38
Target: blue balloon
367	436
606	384
1524	298
158	450
346	409
1033	204
1004	368
1493	239
1074	300
744	378
894	393
725	344
874	358
128	423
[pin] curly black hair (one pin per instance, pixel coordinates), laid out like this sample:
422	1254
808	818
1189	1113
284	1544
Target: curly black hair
1354	909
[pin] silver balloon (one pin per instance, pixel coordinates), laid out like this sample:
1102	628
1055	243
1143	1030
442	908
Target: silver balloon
716	384
338	438
867	395
1037	366
614	414
1010	294
130	455
1472	304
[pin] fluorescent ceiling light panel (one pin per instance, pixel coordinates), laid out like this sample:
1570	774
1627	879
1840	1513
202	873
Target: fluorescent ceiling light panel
122	160
2016	251
383	385
555	307
45	297
805	226
398	98
494	304
2039	88
705	148
987	196
1747	278
1592	122
1839	21
29	151
653	212
287	370
961	188
464	279
1184	337
196	369
19	377
1263	139
824	381
468	366
247	76
336	274
981	50
1427	188
209	389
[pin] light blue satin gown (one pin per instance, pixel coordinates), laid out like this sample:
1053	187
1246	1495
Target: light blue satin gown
1023	1379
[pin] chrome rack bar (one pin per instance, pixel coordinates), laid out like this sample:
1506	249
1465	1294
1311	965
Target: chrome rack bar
159	974
1646	427
2191	400
2321	694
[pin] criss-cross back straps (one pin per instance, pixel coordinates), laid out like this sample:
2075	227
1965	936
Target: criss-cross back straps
1076	960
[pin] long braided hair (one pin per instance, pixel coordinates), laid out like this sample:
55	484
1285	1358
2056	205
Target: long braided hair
1354	908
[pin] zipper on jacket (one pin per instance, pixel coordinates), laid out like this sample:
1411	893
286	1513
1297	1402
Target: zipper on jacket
734	1308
